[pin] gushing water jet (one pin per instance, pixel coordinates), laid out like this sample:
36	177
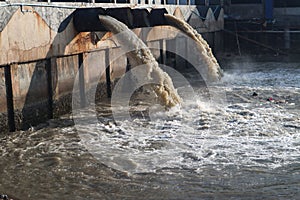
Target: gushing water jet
207	61
139	54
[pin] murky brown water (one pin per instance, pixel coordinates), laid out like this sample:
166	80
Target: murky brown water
247	147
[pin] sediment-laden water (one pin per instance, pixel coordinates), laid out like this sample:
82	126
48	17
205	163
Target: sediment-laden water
206	61
140	55
247	147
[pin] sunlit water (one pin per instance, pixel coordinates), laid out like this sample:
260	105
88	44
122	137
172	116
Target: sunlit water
243	147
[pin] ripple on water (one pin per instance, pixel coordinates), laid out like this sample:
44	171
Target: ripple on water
245	147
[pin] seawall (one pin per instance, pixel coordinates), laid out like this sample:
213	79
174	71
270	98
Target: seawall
42	50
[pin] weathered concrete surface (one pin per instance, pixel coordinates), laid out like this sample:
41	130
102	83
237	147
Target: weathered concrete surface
42	47
30	93
2	91
63	73
33	33
26	37
118	63
3	109
95	75
154	47
94	68
29	83
5	14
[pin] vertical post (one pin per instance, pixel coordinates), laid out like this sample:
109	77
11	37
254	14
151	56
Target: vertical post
81	80
9	99
50	88
162	44
108	81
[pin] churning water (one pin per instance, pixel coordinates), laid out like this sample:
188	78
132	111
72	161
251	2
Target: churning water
245	147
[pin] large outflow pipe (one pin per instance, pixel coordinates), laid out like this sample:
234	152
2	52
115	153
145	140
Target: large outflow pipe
207	60
139	54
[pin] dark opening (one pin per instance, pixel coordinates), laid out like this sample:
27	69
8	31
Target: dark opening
286	3
199	2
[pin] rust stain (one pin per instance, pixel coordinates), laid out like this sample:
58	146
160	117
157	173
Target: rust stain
41	22
81	43
106	36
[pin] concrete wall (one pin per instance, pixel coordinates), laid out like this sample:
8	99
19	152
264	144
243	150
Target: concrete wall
43	52
3	104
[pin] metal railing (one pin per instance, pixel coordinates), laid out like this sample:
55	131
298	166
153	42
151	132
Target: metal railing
132	2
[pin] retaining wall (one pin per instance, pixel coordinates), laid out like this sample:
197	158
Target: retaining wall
41	53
